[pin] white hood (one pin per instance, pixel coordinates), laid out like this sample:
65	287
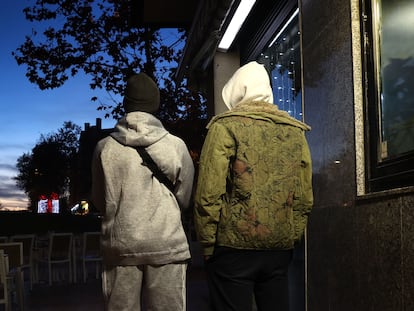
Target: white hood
249	83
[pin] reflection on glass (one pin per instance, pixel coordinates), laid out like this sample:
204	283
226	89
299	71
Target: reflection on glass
282	61
394	25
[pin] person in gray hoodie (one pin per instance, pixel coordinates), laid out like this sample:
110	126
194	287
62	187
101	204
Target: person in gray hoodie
143	243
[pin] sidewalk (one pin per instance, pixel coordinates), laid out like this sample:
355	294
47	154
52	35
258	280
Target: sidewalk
88	297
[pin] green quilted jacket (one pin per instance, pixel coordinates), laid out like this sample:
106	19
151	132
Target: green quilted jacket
254	189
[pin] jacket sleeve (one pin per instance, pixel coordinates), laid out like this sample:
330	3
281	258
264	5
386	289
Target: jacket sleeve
218	148
303	206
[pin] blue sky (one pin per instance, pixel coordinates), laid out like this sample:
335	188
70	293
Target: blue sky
26	111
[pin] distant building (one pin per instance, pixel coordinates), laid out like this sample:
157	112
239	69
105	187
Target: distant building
81	182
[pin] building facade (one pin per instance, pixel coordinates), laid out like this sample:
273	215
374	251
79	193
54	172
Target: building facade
346	68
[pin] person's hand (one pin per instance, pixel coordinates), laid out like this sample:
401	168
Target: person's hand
206	257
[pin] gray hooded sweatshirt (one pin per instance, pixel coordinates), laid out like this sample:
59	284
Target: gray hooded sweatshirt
141	218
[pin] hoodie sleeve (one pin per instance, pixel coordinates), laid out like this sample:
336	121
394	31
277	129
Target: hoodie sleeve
185	179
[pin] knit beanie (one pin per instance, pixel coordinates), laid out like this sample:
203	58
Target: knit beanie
141	94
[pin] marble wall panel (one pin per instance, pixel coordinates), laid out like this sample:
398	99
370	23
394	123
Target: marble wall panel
361	258
407	206
328	99
360	251
379	253
332	260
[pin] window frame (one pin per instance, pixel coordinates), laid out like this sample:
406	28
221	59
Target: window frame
384	174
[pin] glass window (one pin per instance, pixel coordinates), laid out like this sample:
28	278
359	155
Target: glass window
282	60
388	28
394	24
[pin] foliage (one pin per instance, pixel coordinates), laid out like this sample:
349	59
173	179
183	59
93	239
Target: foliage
98	38
47	167
67	137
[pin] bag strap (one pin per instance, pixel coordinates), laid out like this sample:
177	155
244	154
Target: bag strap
149	162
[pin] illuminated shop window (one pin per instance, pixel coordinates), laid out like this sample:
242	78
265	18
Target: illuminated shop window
389	31
282	60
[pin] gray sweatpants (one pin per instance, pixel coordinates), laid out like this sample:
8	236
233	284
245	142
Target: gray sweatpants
159	287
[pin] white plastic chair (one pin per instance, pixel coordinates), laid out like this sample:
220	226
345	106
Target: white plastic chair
59	253
28	241
14	251
91	253
4	290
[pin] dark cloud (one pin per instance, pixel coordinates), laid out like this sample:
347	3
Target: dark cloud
9	190
13	194
6	166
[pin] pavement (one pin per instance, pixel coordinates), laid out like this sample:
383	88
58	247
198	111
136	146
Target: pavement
87	296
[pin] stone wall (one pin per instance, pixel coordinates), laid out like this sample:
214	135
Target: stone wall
360	247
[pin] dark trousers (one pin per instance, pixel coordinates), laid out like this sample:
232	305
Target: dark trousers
235	276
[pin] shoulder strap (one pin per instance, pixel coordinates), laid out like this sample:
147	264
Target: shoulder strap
149	162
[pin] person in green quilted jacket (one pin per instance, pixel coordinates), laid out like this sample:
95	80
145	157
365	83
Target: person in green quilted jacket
253	195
